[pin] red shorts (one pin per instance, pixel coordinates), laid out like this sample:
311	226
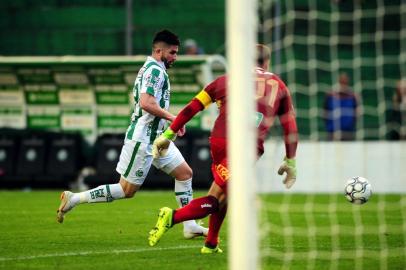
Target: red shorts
219	167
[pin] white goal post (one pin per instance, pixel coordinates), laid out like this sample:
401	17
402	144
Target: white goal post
241	39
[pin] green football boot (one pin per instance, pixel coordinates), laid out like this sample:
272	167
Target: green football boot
163	224
208	250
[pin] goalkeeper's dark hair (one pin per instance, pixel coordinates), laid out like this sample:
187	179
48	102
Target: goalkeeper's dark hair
263	54
166	37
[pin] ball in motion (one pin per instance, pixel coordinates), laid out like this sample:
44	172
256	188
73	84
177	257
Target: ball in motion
358	190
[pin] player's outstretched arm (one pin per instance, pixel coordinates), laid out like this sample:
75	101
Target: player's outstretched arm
161	143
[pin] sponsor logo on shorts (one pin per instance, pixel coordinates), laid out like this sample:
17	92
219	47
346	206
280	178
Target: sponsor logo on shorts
222	172
139	173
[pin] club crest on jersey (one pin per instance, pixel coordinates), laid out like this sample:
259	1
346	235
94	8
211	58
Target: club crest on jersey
223	172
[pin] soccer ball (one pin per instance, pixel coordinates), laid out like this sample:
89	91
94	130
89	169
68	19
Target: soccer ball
358	190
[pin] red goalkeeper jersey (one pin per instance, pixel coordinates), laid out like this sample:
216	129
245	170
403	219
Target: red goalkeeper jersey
273	99
272	96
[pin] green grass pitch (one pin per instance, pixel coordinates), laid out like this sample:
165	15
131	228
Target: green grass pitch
114	236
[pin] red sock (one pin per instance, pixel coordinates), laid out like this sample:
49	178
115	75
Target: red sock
215	221
196	209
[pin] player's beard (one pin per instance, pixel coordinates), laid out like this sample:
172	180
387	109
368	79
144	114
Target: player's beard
166	63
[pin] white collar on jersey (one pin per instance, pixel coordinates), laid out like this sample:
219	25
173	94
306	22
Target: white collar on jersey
160	63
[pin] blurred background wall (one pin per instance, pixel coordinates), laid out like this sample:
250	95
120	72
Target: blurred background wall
98	27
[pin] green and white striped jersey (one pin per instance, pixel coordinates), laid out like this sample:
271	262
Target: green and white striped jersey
152	79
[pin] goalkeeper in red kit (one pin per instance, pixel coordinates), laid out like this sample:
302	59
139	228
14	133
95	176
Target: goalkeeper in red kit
273	100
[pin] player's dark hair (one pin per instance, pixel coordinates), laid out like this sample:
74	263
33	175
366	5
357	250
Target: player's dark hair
167	37
263	54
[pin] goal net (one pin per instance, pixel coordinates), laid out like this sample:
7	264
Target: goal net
313	226
314	41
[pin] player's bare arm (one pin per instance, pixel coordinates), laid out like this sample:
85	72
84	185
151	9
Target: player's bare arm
288	122
149	104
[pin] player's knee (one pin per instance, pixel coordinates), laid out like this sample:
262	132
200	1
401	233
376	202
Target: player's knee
182	172
188	173
129	193
213	201
129	189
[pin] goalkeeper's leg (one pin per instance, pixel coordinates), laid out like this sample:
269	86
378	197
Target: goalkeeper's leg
215	221
196	209
175	165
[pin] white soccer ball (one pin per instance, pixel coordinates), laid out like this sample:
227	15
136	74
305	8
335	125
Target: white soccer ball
358	190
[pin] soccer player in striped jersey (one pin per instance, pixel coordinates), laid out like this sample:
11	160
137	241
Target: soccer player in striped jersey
273	100
152	97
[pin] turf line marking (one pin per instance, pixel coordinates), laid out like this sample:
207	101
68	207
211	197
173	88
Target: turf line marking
86	253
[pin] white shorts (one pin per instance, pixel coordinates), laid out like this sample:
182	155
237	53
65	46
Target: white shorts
136	159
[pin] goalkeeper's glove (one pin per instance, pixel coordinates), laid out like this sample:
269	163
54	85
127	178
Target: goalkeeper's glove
161	144
288	166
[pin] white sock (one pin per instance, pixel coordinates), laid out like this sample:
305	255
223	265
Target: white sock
104	193
184	194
